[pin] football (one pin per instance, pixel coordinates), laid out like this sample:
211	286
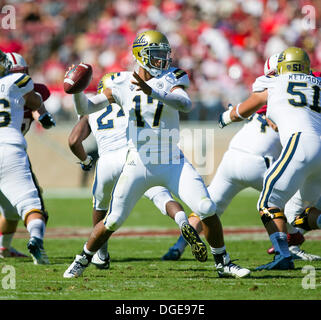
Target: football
78	78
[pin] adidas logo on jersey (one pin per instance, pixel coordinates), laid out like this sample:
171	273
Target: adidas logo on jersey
132	163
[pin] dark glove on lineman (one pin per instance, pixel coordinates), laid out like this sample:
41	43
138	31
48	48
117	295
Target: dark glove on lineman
47	121
87	164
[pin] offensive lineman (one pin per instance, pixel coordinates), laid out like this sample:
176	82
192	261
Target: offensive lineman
250	153
109	128
293	99
151	100
16	180
9	218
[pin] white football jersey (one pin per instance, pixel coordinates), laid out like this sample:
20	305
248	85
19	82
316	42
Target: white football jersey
151	124
109	128
12	89
294	103
257	137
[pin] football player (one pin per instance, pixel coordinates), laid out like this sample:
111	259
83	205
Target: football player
18	185
294	106
9	227
151	98
109	129
250	153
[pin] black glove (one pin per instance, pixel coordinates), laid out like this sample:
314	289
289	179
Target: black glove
47	121
87	164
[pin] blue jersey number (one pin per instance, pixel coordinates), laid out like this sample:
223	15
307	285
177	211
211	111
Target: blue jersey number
110	123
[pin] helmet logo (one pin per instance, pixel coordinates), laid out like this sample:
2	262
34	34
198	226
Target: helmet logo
140	42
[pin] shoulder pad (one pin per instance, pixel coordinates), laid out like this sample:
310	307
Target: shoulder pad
262	83
178	77
109	79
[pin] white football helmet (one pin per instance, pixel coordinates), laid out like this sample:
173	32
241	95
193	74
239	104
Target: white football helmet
18	63
271	65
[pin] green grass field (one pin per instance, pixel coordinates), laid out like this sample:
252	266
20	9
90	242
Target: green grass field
137	272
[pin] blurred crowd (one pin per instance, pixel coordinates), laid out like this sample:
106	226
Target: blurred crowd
222	45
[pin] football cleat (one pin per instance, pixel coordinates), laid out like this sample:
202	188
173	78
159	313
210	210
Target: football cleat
11	253
77	267
299	254
172	254
198	247
101	263
227	268
279	263
38	253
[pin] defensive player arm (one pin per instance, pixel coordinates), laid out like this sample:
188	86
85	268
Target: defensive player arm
33	100
245	109
79	133
85	105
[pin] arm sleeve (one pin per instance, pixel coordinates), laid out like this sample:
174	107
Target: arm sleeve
262	83
85	105
178	99
25	84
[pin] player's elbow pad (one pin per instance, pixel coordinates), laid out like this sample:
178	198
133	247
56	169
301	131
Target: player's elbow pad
178	99
85	105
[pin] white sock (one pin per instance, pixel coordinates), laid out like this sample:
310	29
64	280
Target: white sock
280	243
180	218
103	252
91	253
36	228
5	240
319	221
218	250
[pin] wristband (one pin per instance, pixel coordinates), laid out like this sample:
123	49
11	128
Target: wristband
238	113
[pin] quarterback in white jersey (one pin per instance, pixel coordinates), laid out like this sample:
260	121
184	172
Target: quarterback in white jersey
17	182
109	129
294	106
151	100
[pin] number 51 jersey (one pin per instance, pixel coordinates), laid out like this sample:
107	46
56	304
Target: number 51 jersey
294	103
152	126
13	87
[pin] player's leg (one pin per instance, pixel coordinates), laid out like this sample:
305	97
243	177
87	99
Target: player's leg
164	201
21	189
8	226
222	189
190	188
295	237
128	189
176	251
107	171
286	175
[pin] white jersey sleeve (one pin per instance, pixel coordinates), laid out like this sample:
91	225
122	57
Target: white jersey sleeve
24	84
262	83
177	77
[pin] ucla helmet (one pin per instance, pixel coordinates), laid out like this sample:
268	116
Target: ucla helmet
152	51
5	64
293	60
102	83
